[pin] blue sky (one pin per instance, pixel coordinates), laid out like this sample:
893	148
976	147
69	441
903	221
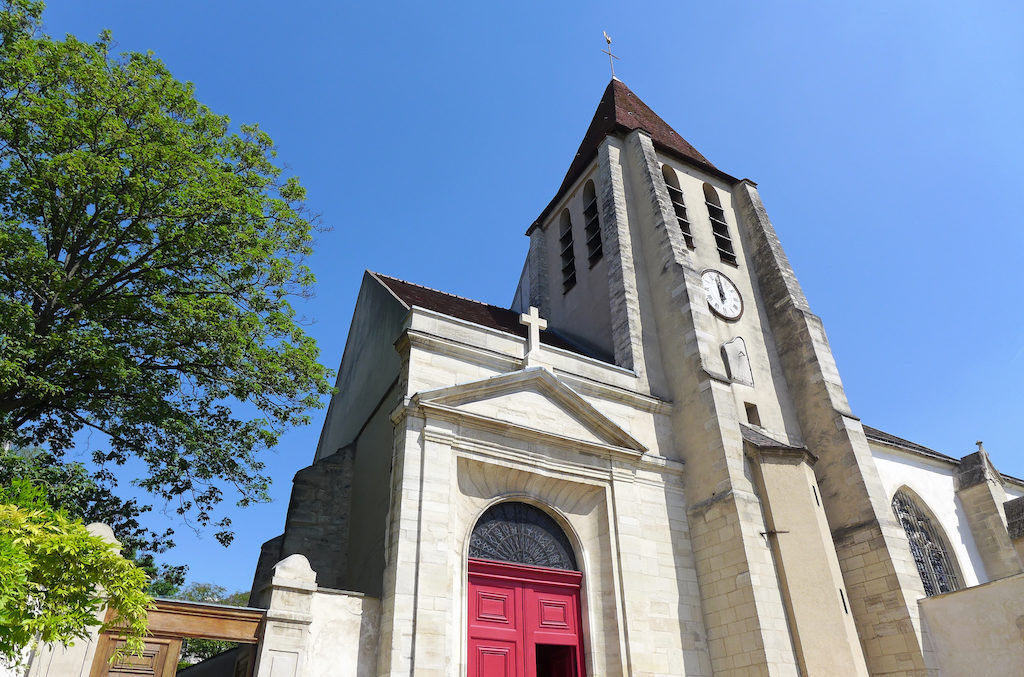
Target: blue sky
886	139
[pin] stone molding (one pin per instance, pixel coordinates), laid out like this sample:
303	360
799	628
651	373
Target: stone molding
536	379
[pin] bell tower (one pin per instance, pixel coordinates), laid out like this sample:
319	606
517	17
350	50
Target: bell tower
650	254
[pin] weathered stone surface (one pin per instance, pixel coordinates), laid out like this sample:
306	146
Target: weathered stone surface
1015	517
318	520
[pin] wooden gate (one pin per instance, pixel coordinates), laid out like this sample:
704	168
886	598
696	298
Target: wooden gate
171	622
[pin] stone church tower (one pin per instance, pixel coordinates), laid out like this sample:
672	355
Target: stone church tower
646	466
794	544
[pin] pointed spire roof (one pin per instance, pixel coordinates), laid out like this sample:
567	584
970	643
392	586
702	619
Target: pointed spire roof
621	111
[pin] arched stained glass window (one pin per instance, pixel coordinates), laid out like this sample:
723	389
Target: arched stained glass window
522	534
931	551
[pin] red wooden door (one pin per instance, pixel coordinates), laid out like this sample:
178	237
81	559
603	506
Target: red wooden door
524	621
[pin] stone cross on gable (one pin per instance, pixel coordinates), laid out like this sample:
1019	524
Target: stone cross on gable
534	323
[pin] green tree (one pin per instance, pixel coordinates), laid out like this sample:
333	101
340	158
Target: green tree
90	496
148	255
57	576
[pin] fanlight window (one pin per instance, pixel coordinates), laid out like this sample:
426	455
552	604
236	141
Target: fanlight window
930	550
522	534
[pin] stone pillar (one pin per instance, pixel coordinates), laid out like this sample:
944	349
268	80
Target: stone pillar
980	489
75	659
1015	523
282	647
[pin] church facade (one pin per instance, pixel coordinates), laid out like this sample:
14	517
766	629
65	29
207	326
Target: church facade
647	465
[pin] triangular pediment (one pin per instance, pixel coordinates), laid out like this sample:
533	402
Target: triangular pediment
533	399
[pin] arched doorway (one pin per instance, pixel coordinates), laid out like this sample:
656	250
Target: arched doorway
525	618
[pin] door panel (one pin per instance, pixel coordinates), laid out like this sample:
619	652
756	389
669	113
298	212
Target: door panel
159	659
523	621
494	659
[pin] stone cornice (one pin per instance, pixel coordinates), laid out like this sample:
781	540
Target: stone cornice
543	381
512	430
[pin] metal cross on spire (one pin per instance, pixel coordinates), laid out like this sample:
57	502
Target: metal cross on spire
608	39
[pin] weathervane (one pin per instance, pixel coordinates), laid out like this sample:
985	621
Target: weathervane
608	51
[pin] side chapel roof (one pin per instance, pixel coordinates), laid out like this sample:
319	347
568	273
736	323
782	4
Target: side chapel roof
622	111
477	312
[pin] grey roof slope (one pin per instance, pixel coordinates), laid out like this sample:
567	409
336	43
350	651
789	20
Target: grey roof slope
477	312
620	111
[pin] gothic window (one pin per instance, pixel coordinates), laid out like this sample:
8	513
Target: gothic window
591	225
927	544
676	194
565	246
522	534
718	225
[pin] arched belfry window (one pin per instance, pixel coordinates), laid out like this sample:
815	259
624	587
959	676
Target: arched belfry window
522	534
718	225
591	224
927	544
676	194
565	247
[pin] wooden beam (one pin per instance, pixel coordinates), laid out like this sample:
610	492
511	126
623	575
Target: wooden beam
176	618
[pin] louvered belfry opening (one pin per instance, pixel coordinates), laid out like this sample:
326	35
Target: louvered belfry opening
718	225
678	204
567	255
591	224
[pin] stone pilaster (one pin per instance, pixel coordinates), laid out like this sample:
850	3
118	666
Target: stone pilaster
418	607
540	295
877	566
627	337
980	490
284	636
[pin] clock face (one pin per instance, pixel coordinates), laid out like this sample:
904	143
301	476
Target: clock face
723	296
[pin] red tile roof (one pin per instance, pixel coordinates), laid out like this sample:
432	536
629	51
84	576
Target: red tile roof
622	111
477	312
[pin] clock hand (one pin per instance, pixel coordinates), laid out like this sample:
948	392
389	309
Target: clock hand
721	291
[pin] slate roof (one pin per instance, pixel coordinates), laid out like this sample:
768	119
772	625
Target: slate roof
893	441
876	435
477	312
622	111
759	439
